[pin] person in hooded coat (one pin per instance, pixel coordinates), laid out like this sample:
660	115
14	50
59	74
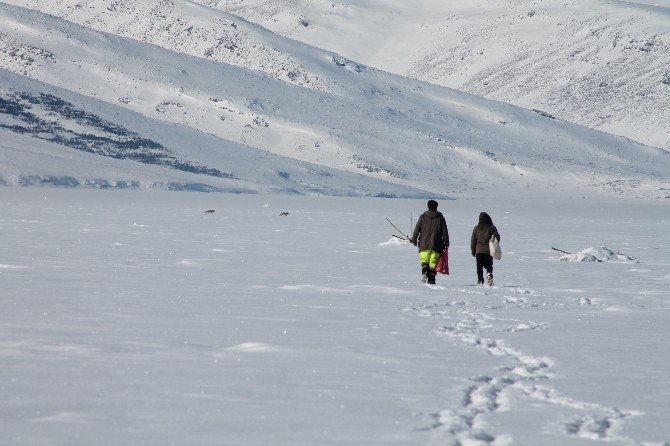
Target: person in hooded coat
479	243
431	235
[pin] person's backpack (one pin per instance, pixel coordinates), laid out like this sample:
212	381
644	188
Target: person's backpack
494	247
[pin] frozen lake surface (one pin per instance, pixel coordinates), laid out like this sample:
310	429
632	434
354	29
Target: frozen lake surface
137	318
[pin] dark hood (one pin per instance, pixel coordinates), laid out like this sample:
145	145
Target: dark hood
433	214
485	219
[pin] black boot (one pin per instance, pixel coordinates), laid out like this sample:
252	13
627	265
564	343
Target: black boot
424	272
431	276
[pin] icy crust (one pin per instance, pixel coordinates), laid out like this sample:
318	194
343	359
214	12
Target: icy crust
601	254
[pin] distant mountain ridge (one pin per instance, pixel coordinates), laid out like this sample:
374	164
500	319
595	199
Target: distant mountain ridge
337	128
603	64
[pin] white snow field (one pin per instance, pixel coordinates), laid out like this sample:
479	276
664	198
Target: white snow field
134	317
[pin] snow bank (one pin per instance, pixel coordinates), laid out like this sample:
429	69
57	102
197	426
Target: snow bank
601	254
394	241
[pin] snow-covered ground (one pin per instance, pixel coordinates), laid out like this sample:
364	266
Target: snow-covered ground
137	318
133	316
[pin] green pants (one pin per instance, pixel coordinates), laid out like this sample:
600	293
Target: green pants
429	257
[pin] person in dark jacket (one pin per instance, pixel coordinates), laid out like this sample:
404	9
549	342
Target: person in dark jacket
479	243
432	237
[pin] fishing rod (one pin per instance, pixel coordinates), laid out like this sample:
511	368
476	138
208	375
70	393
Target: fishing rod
404	237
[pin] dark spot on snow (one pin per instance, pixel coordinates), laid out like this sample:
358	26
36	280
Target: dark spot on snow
544	113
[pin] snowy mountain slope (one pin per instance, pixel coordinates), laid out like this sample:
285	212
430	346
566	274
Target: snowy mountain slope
353	119
603	64
54	137
189	28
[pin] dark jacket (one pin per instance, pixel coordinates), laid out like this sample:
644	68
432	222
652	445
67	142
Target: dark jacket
481	234
430	232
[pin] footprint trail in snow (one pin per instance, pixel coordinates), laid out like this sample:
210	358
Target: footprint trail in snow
529	376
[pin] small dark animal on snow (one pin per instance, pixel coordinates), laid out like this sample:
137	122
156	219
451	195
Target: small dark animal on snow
283	214
210	211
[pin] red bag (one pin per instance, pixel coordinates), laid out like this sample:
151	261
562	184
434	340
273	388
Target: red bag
442	266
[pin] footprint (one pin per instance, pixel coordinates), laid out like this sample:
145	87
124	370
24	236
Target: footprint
529	326
479	398
597	426
515	300
438	310
522	291
598	423
585	301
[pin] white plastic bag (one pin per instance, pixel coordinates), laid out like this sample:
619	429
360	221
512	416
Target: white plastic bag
494	247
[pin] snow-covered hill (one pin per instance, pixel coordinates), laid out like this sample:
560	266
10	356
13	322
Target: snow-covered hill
55	137
600	63
216	93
